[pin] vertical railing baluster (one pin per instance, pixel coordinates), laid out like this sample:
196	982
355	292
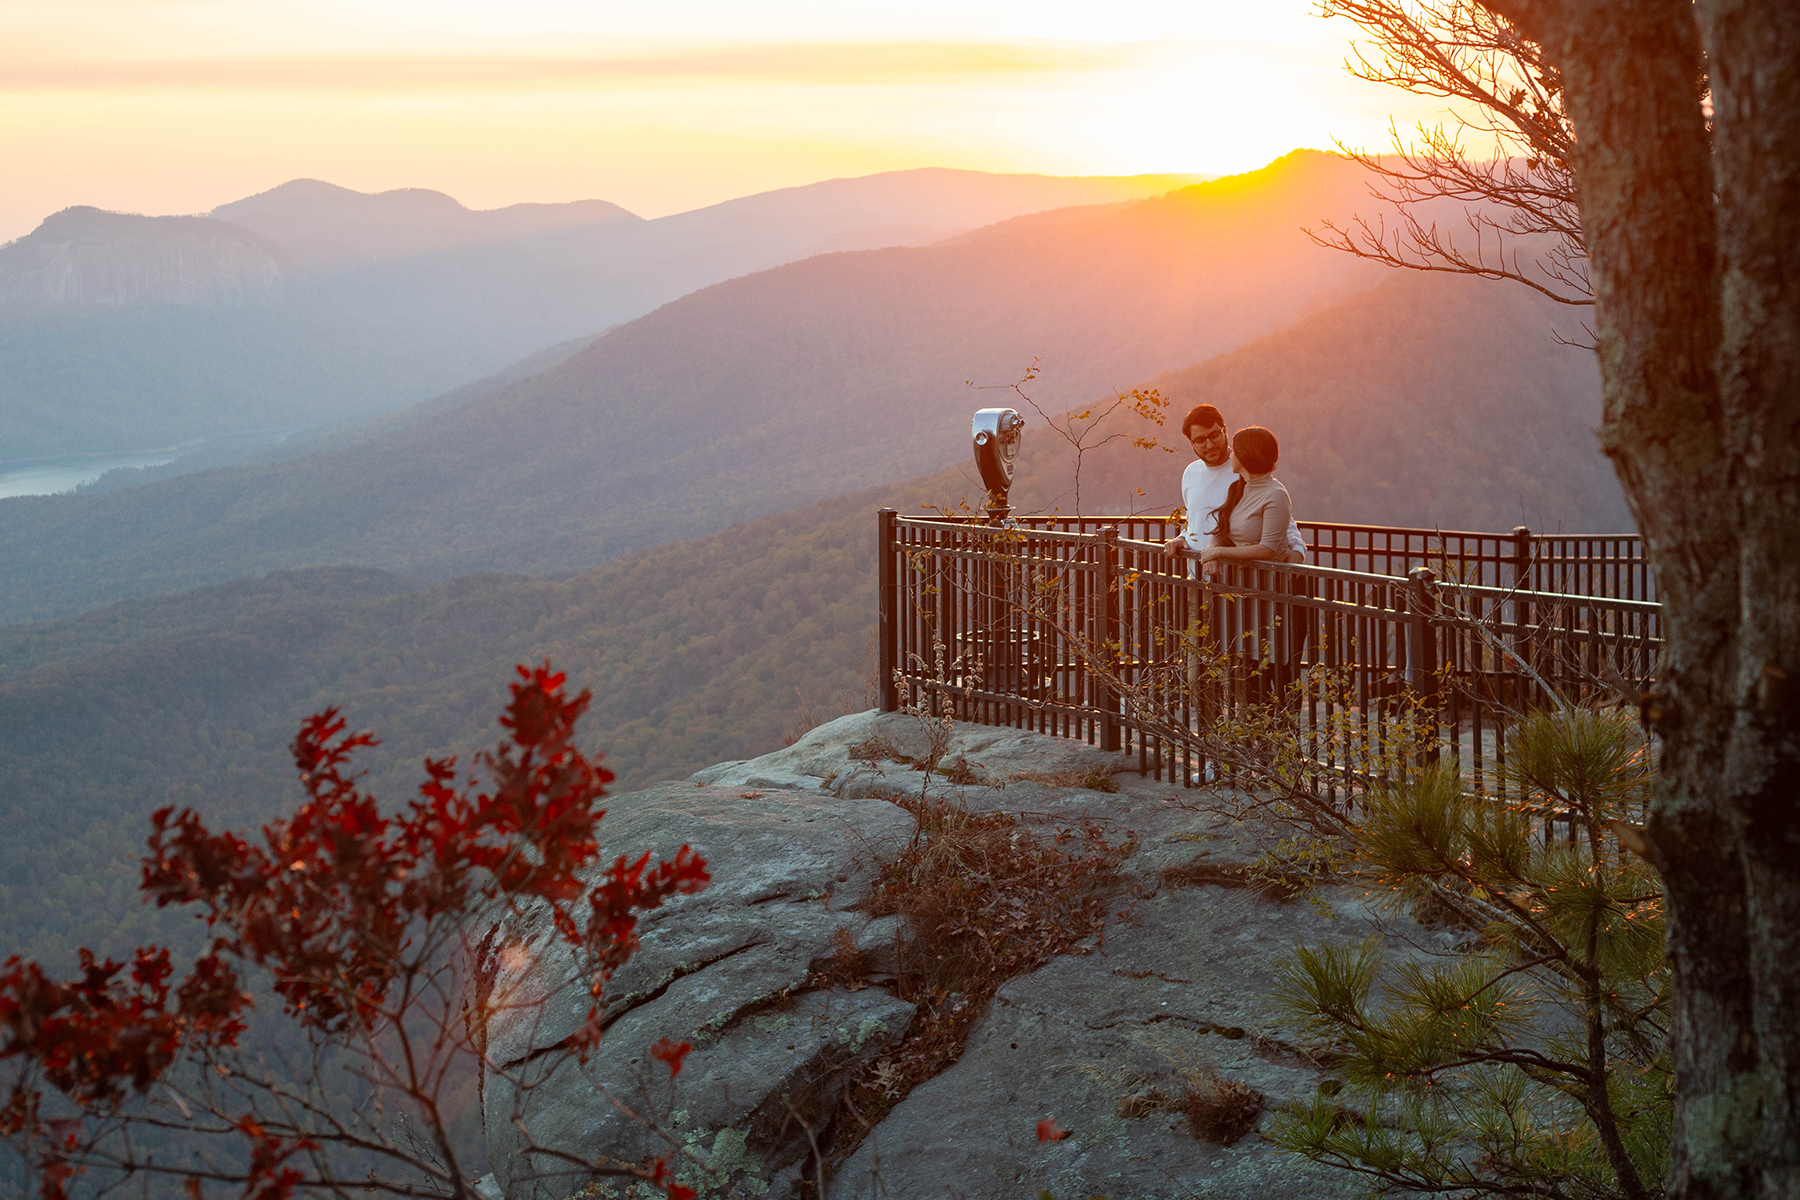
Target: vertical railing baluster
1421	650
1106	609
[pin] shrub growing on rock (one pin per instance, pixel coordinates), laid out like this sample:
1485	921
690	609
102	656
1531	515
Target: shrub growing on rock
1535	1063
982	898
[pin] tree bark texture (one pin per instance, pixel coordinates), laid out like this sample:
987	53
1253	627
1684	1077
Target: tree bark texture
1695	251
1754	49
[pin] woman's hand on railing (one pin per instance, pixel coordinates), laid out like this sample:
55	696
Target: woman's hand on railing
1213	558
1176	546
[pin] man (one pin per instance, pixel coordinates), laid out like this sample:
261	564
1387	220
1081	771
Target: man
1207	481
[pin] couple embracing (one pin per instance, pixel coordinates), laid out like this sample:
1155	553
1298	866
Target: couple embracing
1237	511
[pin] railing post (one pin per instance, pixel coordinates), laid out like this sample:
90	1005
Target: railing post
1108	631
1421	649
1523	570
887	623
1522	559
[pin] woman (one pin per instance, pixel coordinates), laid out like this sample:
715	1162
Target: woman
1253	526
1253	522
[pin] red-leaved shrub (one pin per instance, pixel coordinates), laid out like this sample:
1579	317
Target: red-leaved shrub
356	915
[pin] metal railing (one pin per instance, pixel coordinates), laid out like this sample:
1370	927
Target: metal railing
1607	565
1086	628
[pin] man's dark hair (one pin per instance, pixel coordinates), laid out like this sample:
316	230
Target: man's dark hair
1202	415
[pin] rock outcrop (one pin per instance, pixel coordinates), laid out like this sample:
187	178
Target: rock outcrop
713	969
85	255
1112	1042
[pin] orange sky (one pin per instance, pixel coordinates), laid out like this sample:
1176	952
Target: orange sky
179	105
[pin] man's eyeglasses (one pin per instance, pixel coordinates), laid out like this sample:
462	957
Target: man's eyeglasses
1206	435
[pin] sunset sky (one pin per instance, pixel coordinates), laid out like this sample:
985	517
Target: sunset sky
165	106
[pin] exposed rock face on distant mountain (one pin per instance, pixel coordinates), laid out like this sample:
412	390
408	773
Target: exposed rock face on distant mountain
87	256
324	225
1179	984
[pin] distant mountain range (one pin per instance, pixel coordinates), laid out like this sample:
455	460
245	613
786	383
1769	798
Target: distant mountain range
744	398
313	305
1425	400
326	226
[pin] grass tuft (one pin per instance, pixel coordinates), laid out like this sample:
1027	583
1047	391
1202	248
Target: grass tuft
984	899
877	748
1090	780
1220	1110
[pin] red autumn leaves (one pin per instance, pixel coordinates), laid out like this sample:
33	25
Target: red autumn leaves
671	1053
338	902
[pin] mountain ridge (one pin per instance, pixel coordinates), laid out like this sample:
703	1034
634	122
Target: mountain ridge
742	398
367	337
326	225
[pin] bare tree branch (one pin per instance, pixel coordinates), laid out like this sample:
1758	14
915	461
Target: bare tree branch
1520	204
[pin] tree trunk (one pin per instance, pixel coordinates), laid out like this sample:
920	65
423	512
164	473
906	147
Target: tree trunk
1698	315
1755	54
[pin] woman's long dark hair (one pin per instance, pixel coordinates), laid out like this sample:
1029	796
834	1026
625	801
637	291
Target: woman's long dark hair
1258	452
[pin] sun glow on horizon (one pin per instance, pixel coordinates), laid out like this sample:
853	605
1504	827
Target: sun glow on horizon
181	105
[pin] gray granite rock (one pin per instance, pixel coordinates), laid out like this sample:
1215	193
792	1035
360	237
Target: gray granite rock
823	760
714	969
880	944
742	1105
1179	989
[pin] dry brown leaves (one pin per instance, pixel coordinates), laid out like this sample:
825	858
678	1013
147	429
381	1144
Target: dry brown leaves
984	899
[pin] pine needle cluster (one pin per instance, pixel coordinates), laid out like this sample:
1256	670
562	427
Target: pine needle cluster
1533	1062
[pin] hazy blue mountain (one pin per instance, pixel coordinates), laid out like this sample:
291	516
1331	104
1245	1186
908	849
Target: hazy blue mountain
80	379
122	333
324	225
744	398
230	452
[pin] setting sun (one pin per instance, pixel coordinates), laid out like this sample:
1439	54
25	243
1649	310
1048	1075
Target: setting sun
177	107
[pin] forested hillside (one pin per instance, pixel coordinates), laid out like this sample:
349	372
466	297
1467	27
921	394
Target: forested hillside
694	651
1436	401
713	648
745	398
142	376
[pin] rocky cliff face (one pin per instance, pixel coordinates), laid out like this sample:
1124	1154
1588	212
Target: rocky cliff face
1098	1039
87	256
